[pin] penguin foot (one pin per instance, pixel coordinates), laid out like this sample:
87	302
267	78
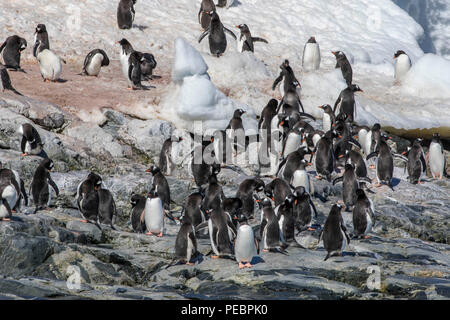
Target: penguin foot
378	185
214	257
265	250
372	166
190	263
159	235
149	233
24	154
248	265
366	237
6	219
84	221
318	177
311	229
241	265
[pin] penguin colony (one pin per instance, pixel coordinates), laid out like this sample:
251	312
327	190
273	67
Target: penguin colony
284	206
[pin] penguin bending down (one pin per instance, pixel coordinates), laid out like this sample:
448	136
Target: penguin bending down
246	245
148	64
351	184
203	15
277	190
345	104
11	177
31	141
334	233
106	207
138	205
303	210
246	40
41	41
436	157
363	215
5	81
217	38
125	14
94	61
248	193
343	63
311	56
328	118
291	163
402	65
88	199
8	199
40	186
153	214
416	162
11	50
169	148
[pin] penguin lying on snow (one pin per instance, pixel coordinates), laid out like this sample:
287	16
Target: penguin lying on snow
94	61
11	50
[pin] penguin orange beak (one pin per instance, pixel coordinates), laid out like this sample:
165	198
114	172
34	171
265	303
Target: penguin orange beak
148	170
257	201
296	201
237	27
341	156
212	139
281	123
339	136
309	163
273	199
333	52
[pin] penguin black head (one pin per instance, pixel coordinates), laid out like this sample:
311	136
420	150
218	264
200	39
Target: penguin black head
285	64
40	28
349	166
360	194
152	194
312	40
238	113
126	46
243	27
259	185
134	199
290	200
153	170
376	126
47	164
338	54
356	88
299	191
436	137
273	104
336	209
21	43
399	53
283	119
266	203
418	141
95	179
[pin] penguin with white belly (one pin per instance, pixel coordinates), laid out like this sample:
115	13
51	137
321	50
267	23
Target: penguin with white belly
328	118
246	40
94	61
402	65
311	55
9	195
8	176
416	162
153	214
436	157
246	245
49	63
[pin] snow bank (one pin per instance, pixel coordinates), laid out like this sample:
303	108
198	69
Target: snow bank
187	62
429	77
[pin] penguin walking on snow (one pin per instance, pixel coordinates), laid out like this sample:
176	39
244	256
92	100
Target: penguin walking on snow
363	215
40	186
311	55
246	40
11	50
286	79
402	65
153	214
343	63
125	14
346	104
436	157
246	245
217	38
5	81
203	15
31	140
94	61
138	206
334	233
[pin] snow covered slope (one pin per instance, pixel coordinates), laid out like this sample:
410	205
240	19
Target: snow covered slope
368	31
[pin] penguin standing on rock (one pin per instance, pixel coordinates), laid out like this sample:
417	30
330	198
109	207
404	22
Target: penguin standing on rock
270	229
246	245
363	215
160	183
402	65
246	40
106	207
311	55
416	162
11	177
303	210
40	186
277	190
328	119
248	193
11	50
153	214
138	205
125	14
217	38
436	157
350	185
88	199
334	233
5	81
286	221
94	61
203	15
324	160
192	209
343	63
185	243
31	143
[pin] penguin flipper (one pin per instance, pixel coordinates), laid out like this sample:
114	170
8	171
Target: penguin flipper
314	207
256	39
424	164
354	142
307	115
399	156
372	155
231	33
338	179
277	80
201	226
204	34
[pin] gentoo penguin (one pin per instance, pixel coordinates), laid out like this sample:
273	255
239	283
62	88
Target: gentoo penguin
402	64
131	68
436	157
265	120
106	207
7	177
41	41
277	190
416	162
40	186
294	139
87	197
291	163
235	129
31	140
233	208
225	3
219	227
334	233
203	15
217	38
169	149
185	243
125	14
11	50
363	215
343	63
311	55
300	178
355	158
246	245
270	229
153	214
324	161
286	221
94	61
248	193
351	184
213	190
313	138
375	137
345	103
5	81
246	40
138	205
159	181
286	77
49	64
148	64
344	142
8	199
192	209
303	210
328	118
362	133
384	162
200	169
